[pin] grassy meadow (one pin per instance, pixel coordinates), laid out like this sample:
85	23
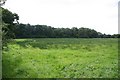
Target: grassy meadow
61	58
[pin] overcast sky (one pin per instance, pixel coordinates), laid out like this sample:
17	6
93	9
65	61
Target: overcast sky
101	15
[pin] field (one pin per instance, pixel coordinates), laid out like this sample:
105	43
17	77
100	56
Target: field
61	58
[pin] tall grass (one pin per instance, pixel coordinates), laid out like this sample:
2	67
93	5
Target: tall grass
61	58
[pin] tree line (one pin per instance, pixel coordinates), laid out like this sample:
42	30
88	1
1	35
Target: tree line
10	29
44	31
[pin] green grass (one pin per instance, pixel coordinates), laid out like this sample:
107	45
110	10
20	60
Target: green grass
61	58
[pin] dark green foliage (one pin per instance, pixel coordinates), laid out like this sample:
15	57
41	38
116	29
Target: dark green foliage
7	16
44	31
8	25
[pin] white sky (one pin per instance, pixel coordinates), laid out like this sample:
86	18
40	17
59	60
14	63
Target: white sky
101	15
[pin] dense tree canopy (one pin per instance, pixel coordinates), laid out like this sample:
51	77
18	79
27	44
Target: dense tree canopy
8	25
44	31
